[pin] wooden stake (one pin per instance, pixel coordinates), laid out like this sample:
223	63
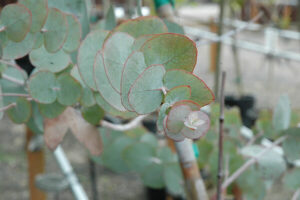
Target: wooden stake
213	48
221	124
195	188
36	165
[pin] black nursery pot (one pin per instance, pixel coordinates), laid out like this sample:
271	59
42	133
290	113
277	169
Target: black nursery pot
159	194
246	104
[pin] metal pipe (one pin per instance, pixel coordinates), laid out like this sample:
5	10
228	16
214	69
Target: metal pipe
71	177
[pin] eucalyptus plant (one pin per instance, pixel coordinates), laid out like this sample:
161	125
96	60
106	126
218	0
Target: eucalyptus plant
135	69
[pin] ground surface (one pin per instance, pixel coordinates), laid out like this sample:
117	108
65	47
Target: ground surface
265	81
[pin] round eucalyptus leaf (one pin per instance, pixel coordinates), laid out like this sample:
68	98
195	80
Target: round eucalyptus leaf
93	114
17	21
140	41
116	50
145	95
39	40
39	10
173	178
21	112
149	139
74	34
142	26
133	67
69	91
178	93
76	7
177	136
51	110
42	87
172	50
104	87
14	50
291	179
87	53
56	29
112	155
87	98
291	145
53	62
138	156
11	87
201	94
111	110
176	117
252	185
270	166
197	125
152	176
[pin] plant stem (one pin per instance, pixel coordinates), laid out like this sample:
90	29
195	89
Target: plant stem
124	127
219	47
221	135
250	162
7	107
14	95
12	79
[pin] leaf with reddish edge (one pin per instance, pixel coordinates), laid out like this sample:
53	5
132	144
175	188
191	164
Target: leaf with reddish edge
133	67
17	21
74	34
85	133
39	10
174	136
196	125
145	95
102	83
111	110
174	95
88	49
176	117
56	30
116	50
142	26
193	105
140	41
201	94
174	51
179	93
14	50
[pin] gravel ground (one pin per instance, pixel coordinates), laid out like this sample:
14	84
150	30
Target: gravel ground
13	169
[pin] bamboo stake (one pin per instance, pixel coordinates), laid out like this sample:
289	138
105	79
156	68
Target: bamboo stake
221	124
195	188
36	165
219	47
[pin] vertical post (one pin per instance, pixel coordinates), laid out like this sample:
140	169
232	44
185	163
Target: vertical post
253	9
219	46
36	165
67	170
213	48
194	184
93	178
220	156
